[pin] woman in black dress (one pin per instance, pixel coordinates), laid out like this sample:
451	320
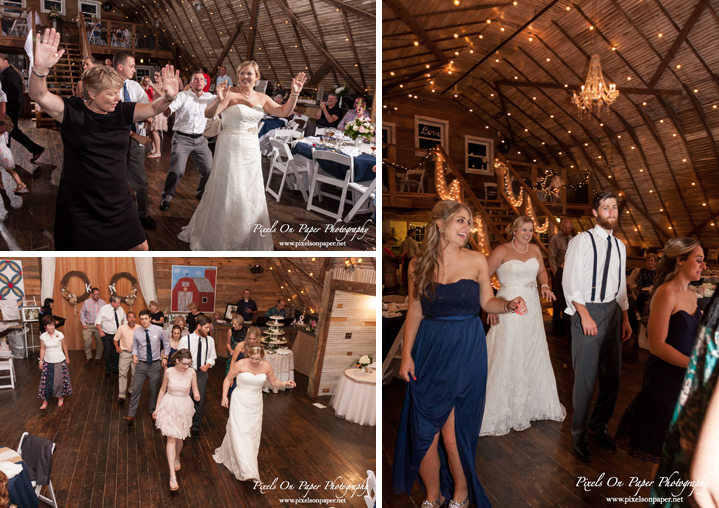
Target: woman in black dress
95	210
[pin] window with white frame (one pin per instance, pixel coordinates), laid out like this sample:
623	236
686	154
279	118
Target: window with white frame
13	7
478	155
47	5
388	130
89	8
428	132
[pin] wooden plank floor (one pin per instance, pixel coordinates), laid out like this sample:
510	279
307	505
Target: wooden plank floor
101	462
31	226
536	467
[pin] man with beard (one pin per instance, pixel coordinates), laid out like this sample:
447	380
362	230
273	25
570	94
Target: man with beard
596	293
202	347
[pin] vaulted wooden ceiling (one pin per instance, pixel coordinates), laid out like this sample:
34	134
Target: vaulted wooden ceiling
515	65
331	40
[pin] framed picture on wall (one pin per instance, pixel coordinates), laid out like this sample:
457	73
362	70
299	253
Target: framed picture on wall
478	155
193	284
30	314
230	311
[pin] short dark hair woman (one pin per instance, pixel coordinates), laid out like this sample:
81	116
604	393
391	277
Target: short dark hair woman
95	210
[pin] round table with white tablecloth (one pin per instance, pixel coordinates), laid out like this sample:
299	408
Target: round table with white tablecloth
355	397
283	365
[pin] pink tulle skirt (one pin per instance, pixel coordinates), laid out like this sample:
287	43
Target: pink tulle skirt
159	123
174	415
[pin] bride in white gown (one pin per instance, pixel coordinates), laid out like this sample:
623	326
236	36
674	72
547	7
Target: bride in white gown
520	384
244	427
232	214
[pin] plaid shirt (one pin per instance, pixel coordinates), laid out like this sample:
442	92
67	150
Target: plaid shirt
89	310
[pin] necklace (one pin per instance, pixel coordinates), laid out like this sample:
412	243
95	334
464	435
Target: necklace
525	250
247	96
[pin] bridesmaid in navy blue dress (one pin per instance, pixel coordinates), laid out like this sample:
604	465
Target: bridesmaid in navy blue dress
444	361
673	324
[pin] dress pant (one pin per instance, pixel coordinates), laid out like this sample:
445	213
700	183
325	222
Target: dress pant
125	364
182	148
87	336
20	136
152	372
561	323
137	178
598	356
202	378
111	357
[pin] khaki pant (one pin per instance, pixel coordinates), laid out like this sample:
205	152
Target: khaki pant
87	338
125	365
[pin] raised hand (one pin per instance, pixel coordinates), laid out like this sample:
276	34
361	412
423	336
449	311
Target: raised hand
46	52
171	80
298	82
222	91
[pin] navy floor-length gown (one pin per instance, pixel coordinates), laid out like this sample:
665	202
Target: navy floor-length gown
450	358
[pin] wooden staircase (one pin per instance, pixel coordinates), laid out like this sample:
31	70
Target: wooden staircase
62	80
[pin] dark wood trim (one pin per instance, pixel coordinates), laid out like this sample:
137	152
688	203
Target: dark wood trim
326	266
323	326
226	49
280	42
557	86
298	267
360	288
453	11
314	79
706	221
354	48
343	7
253	29
262	43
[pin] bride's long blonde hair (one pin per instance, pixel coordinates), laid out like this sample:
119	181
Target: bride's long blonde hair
426	267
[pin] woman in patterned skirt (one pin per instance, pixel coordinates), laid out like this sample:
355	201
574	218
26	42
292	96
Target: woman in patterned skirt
55	379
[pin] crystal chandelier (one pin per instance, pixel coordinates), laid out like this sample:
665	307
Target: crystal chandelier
595	91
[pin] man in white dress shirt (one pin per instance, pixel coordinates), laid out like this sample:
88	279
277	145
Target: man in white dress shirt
108	320
202	347
224	78
188	139
124	64
595	288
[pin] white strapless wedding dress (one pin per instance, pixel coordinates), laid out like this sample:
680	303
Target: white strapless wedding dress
234	206
244	428
520	381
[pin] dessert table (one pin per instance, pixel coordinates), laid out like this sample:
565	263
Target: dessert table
355	397
283	365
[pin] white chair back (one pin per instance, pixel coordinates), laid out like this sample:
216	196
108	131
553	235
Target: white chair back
38	488
408	183
7	365
319	177
286	135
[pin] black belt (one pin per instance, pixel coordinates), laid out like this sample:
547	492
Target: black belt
193	136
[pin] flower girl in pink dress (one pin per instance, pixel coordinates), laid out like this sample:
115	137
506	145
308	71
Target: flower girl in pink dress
174	412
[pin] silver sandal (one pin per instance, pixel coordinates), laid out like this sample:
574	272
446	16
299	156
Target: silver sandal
457	504
437	504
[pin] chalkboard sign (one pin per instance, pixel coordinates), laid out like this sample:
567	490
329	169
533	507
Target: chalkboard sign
429	132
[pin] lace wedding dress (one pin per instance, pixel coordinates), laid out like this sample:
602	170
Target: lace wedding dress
244	428
520	385
234	205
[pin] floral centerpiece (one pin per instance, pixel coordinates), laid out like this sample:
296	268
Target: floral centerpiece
360	126
313	325
363	361
54	16
706	290
342	90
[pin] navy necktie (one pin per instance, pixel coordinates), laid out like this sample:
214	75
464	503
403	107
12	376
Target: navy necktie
117	321
126	98
606	269
149	347
199	352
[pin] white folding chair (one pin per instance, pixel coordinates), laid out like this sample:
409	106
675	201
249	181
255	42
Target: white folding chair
363	199
319	131
19	26
94	36
394	299
490	187
407	184
286	135
38	488
6	365
319	176
369	497
283	162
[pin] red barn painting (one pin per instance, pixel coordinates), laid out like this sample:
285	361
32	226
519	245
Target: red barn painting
193	284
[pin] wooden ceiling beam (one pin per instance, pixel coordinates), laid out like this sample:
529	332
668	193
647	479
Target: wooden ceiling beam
699	8
417	55
558	86
300	26
701	226
230	42
444	28
351	10
354	48
503	43
399	9
253	29
320	73
662	102
322	40
453	11
254	32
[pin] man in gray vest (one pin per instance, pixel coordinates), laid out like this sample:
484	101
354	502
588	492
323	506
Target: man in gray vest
595	288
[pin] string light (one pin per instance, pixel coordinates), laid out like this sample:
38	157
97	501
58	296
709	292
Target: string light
530	213
516	202
454	193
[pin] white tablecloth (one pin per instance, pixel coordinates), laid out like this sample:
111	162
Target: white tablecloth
355	397
283	365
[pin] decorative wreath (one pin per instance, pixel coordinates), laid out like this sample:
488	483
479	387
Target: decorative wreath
71	297
132	296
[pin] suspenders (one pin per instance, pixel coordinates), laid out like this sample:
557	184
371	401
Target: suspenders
199	340
594	269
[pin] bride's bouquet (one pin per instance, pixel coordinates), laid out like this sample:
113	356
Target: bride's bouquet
363	361
360	126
